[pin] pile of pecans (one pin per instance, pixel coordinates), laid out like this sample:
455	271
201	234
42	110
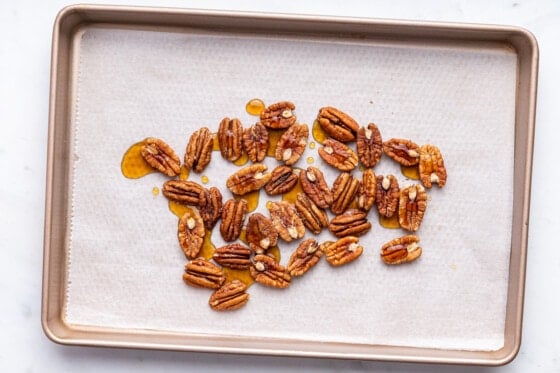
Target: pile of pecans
287	221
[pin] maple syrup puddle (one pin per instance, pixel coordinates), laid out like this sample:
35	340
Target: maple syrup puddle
133	165
215	143
252	199
291	196
318	134
208	247
390	223
255	106
184	173
410	172
243	275
243	236
241	160
273	137
178	209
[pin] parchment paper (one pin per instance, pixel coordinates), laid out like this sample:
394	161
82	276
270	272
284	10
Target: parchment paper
125	265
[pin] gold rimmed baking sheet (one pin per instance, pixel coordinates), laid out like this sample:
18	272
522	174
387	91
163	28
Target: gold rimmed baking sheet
120	74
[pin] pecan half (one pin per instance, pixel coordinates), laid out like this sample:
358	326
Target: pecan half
338	155
313	217
304	258
343	251
344	190
184	191
350	223
337	124
234	256
369	145
401	250
314	185
260	232
403	151
230	138
248	179
387	195
233	215
431	167
210	207
291	144
231	296
203	274
412	205
160	156
190	233
286	221
279	115
255	142
282	180
199	150
267	271
366	192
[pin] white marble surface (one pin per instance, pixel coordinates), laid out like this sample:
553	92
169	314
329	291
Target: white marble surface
26	27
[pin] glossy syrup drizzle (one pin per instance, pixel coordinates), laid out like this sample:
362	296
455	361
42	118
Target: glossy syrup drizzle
133	165
410	172
255	106
208	247
318	134
390	223
273	137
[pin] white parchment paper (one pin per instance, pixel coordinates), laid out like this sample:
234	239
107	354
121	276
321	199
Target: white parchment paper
125	265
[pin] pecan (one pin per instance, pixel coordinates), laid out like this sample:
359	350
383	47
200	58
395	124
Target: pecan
210	207
233	215
403	151
387	195
344	190
369	145
282	180
314	185
234	256
260	232
351	223
366	192
343	251
203	274
337	124
248	179
291	144
230	137
431	167
191	233
231	296
286	221
279	115
401	250
267	271
304	258
160	156
338	155
184	191
412	204
199	150
313	217
255	142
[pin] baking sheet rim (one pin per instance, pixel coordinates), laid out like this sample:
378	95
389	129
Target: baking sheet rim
54	275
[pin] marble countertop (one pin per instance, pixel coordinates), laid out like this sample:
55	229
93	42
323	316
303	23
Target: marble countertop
24	87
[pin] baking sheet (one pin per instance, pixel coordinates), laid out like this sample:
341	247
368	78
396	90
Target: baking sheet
124	267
